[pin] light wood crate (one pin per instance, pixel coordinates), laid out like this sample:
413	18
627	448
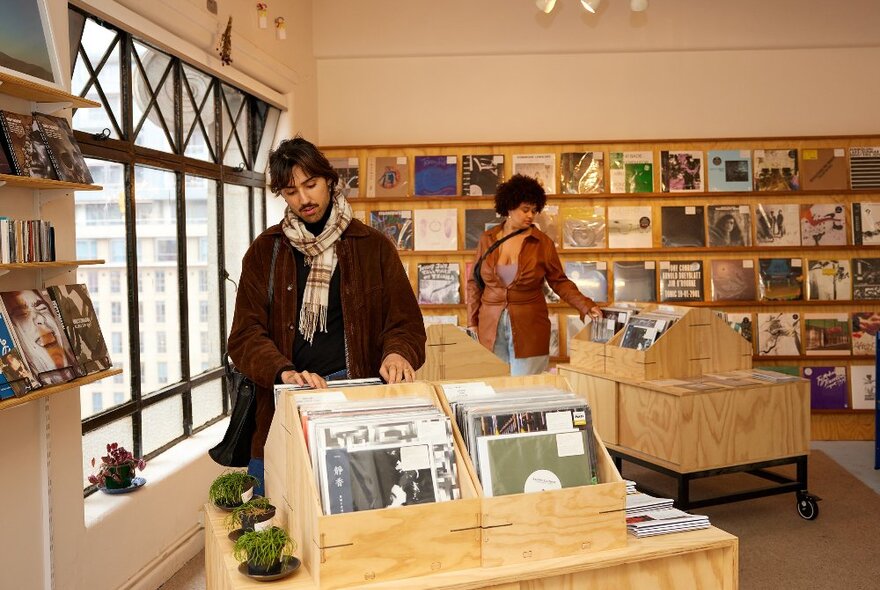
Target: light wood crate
373	545
700	342
452	354
520	528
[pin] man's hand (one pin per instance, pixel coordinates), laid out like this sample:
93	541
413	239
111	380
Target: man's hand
304	378
396	369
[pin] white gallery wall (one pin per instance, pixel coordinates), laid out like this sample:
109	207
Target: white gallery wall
499	70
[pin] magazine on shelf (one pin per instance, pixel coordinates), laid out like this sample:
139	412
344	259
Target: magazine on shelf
828	387
683	226
733	279
660	522
824	169
26	149
864	168
476	221
481	174
777	224
866	278
866	224
591	278
779	334
348	170
632	172
729	225
863	384
823	225
534	462
864	332
439	282
829	280
541	167
780	279
730	170
681	171
776	170
74	306
396	224
582	173
5	164
40	336
826	334
630	227
63	149
436	176
634	280
16	379
387	176
436	229
681	280
583	226
639	503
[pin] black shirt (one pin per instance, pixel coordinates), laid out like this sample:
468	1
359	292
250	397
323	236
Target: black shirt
326	353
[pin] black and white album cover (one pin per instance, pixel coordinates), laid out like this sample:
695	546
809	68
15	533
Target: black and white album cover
866	278
779	334
439	282
829	280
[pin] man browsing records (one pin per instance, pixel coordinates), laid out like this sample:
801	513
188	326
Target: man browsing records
342	304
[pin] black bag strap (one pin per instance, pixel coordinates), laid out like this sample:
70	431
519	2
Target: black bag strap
479	279
227	366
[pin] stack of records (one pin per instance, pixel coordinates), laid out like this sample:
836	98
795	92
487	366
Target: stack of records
614	318
378	453
526	439
642	330
661	522
640	503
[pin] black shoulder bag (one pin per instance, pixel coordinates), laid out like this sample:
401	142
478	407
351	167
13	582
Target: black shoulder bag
235	448
476	272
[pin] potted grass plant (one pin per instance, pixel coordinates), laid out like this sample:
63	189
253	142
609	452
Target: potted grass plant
255	514
231	489
117	468
264	551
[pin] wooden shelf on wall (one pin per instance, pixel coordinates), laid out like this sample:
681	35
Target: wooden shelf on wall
14	86
45	183
53	389
53	264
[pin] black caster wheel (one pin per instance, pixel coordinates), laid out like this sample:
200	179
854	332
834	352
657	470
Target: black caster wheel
807	507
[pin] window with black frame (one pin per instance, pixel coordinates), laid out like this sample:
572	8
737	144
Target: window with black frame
181	157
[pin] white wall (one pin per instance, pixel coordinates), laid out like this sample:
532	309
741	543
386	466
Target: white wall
499	70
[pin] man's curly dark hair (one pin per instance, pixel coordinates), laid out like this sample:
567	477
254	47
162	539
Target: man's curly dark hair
517	190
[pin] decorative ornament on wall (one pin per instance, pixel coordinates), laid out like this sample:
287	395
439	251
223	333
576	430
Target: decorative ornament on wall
224	44
280	28
262	15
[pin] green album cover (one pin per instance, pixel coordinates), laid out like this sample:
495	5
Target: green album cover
534	462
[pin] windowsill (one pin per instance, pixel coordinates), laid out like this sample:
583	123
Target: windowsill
163	474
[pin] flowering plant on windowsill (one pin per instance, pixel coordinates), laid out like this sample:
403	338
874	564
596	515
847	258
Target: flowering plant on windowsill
116	466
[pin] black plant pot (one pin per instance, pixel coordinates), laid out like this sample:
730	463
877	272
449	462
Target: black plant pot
249	521
256	570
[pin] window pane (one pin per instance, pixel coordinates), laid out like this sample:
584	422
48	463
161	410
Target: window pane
259	211
236	223
207	402
202	266
163	422
95	42
198	108
100	241
233	111
156	213
95	444
145	85
266	138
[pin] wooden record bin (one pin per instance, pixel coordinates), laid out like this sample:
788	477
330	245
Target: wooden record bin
373	545
700	342
520	528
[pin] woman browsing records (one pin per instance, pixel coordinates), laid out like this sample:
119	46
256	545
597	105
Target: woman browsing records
508	312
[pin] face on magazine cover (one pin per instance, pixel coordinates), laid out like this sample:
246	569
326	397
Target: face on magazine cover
40	333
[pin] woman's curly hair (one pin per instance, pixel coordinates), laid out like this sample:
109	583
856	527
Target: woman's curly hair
517	190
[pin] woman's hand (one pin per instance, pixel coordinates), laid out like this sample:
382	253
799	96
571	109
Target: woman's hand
396	369
595	313
303	378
